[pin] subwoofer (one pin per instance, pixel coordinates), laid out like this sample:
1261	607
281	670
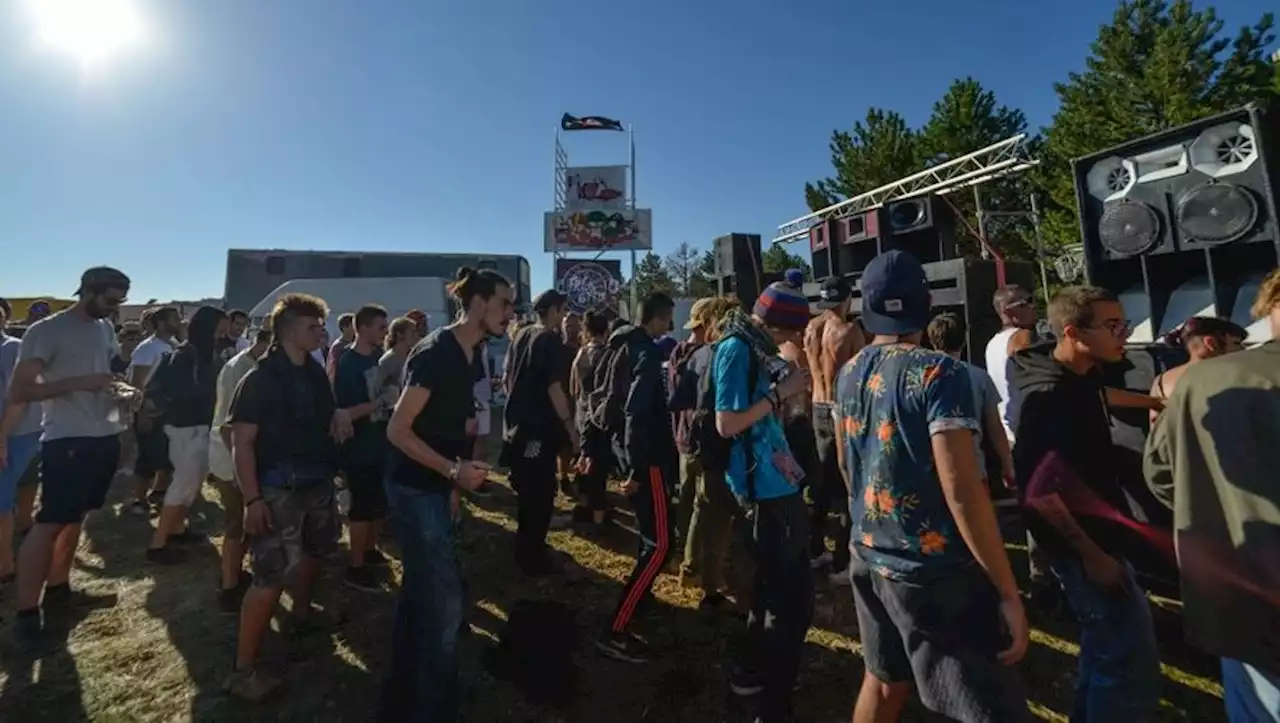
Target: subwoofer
739	270
1183	222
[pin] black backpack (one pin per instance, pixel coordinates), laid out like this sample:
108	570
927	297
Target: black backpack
610	384
712	449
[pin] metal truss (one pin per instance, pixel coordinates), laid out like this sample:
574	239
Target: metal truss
988	164
561	199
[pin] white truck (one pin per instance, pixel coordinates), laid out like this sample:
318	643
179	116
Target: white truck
398	295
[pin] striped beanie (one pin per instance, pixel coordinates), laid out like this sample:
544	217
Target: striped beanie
782	306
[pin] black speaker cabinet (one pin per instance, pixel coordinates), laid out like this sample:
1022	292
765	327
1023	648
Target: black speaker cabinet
1183	222
739	270
965	287
923	227
824	240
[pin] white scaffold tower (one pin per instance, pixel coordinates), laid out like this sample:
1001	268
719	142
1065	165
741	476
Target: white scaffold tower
560	201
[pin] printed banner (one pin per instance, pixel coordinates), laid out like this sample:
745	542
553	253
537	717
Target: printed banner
589	123
590	284
596	188
627	230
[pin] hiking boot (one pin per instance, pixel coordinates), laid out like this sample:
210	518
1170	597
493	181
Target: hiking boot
248	684
375	558
165	555
362	578
624	647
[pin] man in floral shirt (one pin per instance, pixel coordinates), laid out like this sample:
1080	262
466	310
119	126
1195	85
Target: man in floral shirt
936	598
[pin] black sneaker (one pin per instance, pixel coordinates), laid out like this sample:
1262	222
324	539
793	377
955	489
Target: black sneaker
625	647
28	633
155	498
746	683
375	558
140	508
165	555
187	537
317	622
229	599
362	578
61	598
712	604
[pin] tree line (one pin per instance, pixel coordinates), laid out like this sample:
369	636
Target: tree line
1154	66
690	271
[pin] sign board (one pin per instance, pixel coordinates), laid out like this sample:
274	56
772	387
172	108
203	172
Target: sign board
590	284
595	188
626	230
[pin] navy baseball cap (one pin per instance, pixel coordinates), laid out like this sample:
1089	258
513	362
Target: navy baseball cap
835	291
895	295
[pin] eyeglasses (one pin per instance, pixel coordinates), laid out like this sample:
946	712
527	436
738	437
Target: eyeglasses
1113	327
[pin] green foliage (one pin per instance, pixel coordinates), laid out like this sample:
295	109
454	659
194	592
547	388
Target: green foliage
1155	66
651	276
691	271
778	258
876	151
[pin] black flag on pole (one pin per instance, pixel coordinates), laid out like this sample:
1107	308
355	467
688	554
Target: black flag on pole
589	123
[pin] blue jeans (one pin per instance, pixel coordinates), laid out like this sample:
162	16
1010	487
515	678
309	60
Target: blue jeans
1119	676
1251	695
424	683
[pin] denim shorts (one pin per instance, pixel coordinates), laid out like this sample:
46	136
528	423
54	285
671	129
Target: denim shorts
22	450
943	635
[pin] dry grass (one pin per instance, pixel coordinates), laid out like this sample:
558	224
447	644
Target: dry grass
160	653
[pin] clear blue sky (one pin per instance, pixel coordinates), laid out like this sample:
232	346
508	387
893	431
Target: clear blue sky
428	125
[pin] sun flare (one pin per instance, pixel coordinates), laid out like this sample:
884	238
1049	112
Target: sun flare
92	32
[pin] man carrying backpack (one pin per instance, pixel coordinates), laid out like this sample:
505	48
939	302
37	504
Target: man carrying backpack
766	479
631	407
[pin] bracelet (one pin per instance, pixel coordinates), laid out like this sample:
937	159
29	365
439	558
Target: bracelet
255	499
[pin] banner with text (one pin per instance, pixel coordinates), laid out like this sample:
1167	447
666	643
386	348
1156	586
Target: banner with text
590	284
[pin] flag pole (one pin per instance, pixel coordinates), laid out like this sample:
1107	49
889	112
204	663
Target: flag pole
631	142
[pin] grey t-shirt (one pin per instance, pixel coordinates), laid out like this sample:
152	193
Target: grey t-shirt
9	347
985	398
71	346
390	379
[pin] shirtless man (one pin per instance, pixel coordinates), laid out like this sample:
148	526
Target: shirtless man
830	340
1204	337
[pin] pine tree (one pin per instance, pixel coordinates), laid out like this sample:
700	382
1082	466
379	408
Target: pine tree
1156	66
778	258
685	268
651	276
877	151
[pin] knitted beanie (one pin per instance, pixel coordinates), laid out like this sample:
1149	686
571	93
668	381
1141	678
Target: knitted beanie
781	305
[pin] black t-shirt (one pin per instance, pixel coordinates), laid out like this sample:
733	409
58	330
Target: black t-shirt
292	406
438	364
538	360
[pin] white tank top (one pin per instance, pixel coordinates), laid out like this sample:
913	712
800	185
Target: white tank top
998	369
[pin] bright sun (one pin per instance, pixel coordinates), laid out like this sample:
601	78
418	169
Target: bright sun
92	32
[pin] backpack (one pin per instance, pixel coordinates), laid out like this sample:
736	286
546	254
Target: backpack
610	384
712	449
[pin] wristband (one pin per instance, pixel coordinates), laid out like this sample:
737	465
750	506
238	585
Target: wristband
255	499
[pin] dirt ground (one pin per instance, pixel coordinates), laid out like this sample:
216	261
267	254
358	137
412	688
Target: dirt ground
161	651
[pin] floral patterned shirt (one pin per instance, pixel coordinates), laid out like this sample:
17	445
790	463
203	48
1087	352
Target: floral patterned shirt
891	400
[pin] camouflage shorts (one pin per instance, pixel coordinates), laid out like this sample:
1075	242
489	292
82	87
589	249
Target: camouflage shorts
304	521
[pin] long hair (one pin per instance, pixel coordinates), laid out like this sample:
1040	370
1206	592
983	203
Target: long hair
202	329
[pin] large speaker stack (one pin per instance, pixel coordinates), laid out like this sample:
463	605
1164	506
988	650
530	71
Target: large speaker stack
739	270
1183	222
924	226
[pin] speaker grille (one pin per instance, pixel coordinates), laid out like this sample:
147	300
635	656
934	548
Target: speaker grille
906	215
1128	229
1217	213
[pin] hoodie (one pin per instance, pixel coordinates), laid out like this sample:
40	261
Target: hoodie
647	438
1057	411
184	383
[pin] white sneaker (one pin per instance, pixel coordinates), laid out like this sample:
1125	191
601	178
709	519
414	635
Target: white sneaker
840	579
819	562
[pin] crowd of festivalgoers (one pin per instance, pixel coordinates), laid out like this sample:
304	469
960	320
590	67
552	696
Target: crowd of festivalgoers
770	446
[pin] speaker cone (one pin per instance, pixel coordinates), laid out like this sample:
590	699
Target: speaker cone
1128	228
904	215
1216	213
